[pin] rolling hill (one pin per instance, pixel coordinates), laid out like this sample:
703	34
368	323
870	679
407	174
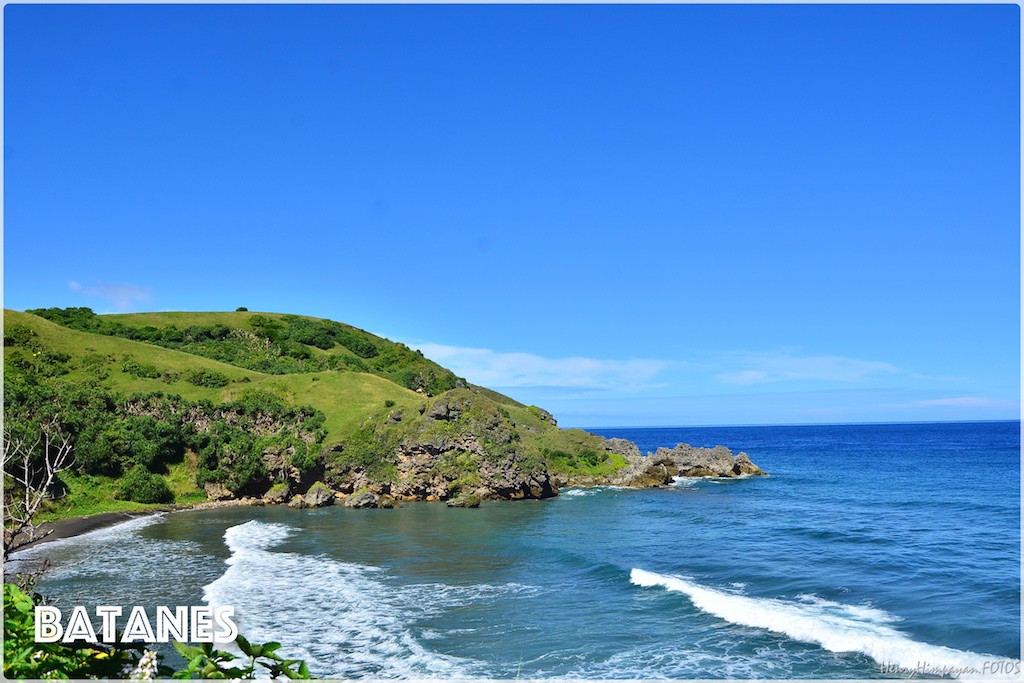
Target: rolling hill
234	404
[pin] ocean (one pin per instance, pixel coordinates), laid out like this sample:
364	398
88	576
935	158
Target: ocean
869	547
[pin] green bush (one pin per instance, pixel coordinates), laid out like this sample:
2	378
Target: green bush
136	369
18	334
24	658
114	443
361	346
141	486
586	460
206	663
207	378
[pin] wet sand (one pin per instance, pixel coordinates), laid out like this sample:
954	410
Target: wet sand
75	526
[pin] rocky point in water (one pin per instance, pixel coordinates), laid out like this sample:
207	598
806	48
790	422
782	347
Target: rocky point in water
662	467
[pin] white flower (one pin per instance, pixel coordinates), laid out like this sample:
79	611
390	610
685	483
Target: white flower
146	668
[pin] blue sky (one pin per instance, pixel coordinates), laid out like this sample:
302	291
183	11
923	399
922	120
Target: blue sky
631	215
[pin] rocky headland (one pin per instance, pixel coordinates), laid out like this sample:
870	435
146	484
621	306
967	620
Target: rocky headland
420	477
278	409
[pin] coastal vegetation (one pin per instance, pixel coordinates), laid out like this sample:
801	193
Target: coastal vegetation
177	408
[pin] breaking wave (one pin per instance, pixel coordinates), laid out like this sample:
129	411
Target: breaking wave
836	627
342	618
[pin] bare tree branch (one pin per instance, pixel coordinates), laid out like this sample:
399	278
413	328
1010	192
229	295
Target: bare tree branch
33	467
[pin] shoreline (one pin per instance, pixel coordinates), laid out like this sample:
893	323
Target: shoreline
79	526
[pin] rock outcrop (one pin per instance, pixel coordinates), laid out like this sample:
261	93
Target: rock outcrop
362	499
445	468
319	495
464	501
215	491
457	447
278	493
661	467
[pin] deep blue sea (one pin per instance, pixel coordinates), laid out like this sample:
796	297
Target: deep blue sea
868	545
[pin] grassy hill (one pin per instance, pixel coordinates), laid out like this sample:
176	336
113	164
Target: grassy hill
248	400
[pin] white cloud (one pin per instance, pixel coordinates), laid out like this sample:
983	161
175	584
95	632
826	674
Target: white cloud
756	368
496	369
959	401
122	296
744	368
990	407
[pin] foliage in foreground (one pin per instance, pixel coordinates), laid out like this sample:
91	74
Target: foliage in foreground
205	662
25	658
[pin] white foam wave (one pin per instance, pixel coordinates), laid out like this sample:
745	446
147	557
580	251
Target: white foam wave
578	491
339	617
98	537
834	626
71	555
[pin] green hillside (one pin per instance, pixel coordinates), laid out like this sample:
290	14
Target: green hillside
171	404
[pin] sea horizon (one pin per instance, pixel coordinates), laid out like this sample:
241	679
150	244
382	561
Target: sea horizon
803	424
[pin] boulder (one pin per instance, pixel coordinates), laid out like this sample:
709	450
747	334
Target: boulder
362	499
278	493
297	503
215	491
319	495
465	501
447	408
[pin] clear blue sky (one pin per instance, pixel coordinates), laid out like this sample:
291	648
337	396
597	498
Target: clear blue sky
632	215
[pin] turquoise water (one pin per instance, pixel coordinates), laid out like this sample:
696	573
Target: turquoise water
868	544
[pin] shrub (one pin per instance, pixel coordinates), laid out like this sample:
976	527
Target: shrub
18	334
360	346
76	318
24	658
592	458
347	361
388	403
241	309
141	486
140	370
207	378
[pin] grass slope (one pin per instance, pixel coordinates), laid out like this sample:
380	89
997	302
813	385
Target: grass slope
347	398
